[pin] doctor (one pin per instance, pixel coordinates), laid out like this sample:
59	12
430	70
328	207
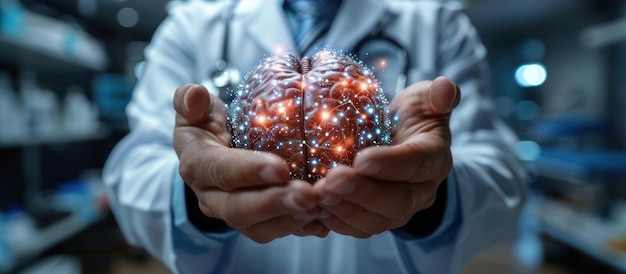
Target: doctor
449	186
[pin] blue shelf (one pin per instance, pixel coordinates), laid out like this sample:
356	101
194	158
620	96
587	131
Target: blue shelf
579	165
35	41
57	137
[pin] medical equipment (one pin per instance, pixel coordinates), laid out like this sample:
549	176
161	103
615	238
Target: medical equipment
223	75
386	56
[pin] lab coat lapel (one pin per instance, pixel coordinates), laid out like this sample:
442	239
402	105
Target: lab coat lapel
355	19
268	26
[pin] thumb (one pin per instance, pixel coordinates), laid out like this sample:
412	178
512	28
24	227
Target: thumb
192	103
444	95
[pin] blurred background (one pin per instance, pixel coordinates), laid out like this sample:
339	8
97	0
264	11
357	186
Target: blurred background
67	69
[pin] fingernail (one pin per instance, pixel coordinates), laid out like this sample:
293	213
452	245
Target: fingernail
325	214
451	104
185	97
269	174
289	201
302	216
330	200
441	99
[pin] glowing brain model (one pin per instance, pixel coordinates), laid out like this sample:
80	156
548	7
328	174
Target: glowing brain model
315	113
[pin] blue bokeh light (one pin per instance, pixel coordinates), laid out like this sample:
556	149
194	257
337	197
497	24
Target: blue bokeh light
531	75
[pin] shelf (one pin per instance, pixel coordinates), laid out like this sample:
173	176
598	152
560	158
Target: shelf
38	42
54	235
584	232
57	137
82	206
579	165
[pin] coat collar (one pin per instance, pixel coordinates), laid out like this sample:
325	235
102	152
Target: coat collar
267	25
355	20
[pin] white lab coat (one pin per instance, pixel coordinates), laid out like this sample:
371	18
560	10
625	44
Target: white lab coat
441	41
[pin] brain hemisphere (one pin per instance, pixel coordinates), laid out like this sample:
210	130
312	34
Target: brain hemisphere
316	114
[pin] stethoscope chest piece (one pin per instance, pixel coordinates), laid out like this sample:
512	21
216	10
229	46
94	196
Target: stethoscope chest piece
388	60
226	78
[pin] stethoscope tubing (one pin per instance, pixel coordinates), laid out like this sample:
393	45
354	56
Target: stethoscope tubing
222	65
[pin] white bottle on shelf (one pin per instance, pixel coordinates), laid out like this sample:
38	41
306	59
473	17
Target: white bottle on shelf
80	117
41	107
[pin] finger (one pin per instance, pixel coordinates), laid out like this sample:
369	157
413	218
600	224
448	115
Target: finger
424	158
386	199
191	102
427	99
444	95
314	228
412	98
274	228
359	218
204	167
324	232
197	109
248	207
337	225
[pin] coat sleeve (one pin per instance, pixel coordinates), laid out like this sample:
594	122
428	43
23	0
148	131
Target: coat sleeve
141	173
490	180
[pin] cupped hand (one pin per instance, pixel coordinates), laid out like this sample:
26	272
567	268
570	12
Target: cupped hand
248	190
387	185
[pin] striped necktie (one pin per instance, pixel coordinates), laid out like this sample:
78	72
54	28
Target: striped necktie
313	20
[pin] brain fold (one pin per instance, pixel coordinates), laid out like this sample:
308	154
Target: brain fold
314	113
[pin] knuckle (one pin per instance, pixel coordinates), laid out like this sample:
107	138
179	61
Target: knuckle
232	215
424	166
186	173
232	218
428	202
211	171
207	211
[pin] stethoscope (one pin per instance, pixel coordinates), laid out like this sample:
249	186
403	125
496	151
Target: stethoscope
382	54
